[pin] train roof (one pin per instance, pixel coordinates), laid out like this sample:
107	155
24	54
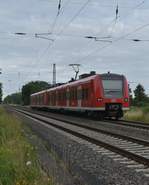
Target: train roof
40	92
67	84
73	83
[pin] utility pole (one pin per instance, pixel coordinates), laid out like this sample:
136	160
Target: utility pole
75	67
19	75
54	74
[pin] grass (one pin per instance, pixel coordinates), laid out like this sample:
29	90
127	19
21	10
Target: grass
138	114
18	160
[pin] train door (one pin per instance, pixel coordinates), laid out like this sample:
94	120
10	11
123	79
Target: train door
57	93
67	97
79	96
91	94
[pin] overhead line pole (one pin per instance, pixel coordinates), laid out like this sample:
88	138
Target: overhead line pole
54	74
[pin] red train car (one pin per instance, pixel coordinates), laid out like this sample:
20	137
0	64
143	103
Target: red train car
104	95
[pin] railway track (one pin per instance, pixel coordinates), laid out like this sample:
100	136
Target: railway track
99	130
135	124
126	123
131	151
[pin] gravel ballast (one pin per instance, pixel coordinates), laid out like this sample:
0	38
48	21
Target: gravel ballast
88	164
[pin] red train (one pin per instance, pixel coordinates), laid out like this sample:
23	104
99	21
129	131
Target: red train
103	95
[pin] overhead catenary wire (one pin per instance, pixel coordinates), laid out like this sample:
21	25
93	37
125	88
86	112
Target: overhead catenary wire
117	18
114	41
123	5
55	20
37	61
54	24
137	6
113	21
78	13
140	4
41	35
61	12
117	12
74	17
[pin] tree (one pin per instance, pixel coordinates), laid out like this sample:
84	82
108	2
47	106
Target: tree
140	96
15	98
130	95
32	87
1	93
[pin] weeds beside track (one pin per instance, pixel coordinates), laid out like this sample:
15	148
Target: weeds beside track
18	160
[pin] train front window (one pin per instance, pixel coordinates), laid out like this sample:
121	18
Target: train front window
113	88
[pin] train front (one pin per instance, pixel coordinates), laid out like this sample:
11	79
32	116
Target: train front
115	94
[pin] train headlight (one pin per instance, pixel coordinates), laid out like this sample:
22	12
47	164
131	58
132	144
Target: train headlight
99	99
125	99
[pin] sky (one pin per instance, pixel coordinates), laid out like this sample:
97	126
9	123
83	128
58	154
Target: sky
25	58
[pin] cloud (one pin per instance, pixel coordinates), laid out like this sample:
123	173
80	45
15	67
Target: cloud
33	58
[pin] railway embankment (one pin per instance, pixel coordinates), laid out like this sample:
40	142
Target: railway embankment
18	158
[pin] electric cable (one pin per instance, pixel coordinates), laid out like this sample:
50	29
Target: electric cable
116	40
74	17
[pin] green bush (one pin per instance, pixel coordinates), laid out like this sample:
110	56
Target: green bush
138	114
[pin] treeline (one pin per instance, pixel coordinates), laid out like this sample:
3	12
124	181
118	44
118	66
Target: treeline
23	98
140	98
137	98
15	98
1	93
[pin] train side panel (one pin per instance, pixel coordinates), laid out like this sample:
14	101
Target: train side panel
107	93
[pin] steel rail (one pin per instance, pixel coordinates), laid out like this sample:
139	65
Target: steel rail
115	149
128	138
135	124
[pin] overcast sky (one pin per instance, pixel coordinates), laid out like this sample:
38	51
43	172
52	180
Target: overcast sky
26	58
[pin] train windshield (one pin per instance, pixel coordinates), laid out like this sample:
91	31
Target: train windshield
113	88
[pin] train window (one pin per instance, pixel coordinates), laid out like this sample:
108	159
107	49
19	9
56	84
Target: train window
113	88
64	95
50	98
85	94
54	97
82	94
67	95
71	94
79	94
75	93
37	99
59	96
40	99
